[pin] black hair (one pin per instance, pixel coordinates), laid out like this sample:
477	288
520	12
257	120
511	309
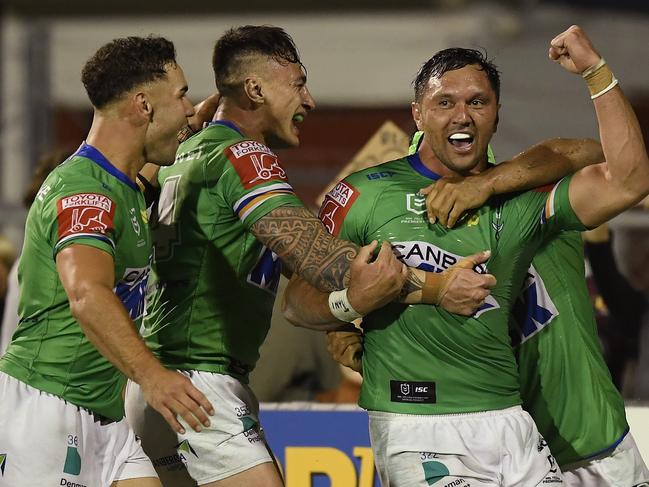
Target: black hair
451	59
247	40
124	63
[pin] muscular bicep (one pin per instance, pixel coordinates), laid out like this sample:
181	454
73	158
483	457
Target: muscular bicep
303	244
81	267
596	197
577	153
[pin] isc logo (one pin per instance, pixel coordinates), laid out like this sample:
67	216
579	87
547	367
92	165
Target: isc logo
421	389
380	175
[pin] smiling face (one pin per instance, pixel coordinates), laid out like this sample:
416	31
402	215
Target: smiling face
458	113
170	109
286	103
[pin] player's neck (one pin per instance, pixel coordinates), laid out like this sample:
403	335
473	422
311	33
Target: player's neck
246	120
115	139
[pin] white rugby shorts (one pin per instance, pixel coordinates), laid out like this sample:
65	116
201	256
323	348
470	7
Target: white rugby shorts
45	440
499	448
618	468
233	442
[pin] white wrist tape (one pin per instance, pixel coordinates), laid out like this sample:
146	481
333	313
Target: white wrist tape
341	308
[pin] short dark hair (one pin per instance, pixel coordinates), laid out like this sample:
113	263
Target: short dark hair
451	59
249	40
124	63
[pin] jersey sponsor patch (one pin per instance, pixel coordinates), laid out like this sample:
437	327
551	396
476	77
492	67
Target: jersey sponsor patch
255	163
431	258
336	205
428	257
85	215
412	392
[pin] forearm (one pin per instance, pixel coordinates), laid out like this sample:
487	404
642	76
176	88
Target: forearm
304	245
106	324
413	291
543	163
623	180
305	306
623	144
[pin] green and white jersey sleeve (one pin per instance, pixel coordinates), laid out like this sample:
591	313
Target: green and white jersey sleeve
254	182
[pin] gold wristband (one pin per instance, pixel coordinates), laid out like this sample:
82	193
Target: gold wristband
434	287
600	79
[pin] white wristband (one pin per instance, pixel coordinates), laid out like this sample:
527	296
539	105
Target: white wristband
341	308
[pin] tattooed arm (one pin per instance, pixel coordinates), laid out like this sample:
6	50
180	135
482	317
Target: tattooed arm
325	263
304	245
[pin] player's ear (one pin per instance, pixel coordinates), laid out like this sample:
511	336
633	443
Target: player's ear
253	89
143	106
416	114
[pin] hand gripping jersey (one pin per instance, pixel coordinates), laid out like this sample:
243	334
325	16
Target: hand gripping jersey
421	359
565	384
215	283
84	201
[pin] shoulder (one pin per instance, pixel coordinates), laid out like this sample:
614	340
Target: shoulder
373	180
75	175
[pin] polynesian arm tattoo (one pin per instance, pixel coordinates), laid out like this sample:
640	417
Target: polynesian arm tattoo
304	245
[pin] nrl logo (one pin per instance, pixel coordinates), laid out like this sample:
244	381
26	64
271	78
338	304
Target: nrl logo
405	389
416	203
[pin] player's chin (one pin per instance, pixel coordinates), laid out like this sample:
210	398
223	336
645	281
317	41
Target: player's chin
462	164
287	141
167	156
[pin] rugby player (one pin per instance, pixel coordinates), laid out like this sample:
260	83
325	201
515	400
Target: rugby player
83	273
565	383
225	217
594	448
458	365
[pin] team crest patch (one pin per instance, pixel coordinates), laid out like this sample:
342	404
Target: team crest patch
416	203
255	163
85	214
336	205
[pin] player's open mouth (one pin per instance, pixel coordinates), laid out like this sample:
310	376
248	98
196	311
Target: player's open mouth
461	141
297	118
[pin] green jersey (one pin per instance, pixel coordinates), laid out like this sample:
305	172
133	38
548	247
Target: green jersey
215	283
560	358
422	359
85	201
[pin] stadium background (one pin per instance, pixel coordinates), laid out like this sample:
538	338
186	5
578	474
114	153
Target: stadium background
361	57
